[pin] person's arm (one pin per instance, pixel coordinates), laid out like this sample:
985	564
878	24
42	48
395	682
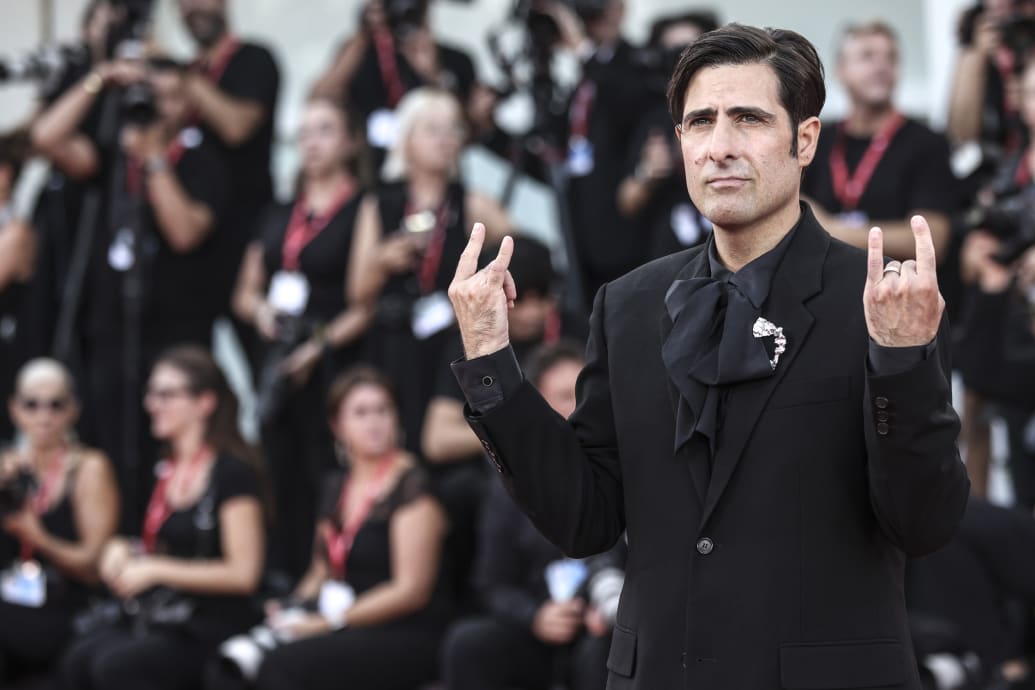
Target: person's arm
334	83
95	503
55	132
654	164
917	484
446	436
237	572
373	259
249	299
898	235
234	120
416	532
497	222
967	100
183	221
565	473
17	253
308	588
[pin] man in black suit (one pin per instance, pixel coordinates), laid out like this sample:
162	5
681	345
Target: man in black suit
768	414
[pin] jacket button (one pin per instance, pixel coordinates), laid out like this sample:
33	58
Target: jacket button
882	428
882	416
705	546
487	381
881	402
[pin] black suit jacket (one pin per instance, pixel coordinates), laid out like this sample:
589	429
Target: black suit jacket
782	566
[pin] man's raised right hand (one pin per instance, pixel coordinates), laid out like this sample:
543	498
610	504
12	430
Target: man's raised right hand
481	298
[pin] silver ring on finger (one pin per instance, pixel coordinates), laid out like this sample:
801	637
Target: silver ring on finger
893	267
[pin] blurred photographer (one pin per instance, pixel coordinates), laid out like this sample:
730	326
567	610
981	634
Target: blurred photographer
393	52
653	193
231	89
154	264
291	290
996	38
18	249
58	506
601	118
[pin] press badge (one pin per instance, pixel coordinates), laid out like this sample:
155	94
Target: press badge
431	314
580	156
24	584
289	293
855	219
336	598
382	128
121	253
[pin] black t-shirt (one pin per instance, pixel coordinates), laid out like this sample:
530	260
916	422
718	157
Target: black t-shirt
251	75
914	174
195	533
323	261
368	91
178	286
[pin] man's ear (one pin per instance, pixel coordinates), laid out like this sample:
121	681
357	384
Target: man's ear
808	139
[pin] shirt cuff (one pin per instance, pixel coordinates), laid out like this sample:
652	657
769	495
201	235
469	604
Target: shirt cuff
888	361
487	381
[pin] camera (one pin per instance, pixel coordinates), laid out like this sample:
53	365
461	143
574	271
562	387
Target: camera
1010	218
1018	32
15	491
405	16
542	28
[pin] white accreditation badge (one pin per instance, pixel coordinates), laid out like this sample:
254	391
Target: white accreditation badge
336	598
122	252
24	584
564	577
580	157
288	293
382	128
432	314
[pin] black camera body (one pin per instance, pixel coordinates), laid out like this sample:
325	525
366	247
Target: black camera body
15	492
405	16
1011	219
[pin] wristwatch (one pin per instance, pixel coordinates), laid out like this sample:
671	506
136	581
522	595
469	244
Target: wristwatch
156	164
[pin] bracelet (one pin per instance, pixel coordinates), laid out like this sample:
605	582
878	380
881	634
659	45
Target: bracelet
93	83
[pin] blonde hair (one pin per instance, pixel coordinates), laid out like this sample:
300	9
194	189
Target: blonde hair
44	369
411	108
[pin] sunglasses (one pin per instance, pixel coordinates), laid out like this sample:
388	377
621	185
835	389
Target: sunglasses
55	405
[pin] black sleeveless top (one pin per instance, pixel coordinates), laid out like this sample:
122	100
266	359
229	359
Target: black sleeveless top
324	261
392	200
63	591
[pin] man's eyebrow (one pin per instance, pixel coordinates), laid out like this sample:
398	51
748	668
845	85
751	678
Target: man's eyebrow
734	111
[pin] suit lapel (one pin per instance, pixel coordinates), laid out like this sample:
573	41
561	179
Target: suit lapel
798	278
699	468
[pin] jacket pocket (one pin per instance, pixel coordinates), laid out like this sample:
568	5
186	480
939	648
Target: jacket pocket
622	658
856	664
810	391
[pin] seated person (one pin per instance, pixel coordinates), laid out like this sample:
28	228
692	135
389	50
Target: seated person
52	534
381	605
539	626
188	584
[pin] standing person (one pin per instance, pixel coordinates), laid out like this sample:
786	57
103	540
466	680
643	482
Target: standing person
232	87
54	539
190	578
876	166
291	290
782	480
409	235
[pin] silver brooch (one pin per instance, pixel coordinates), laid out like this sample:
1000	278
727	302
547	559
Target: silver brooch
762	328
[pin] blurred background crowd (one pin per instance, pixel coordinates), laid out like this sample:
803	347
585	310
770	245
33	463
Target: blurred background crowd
235	453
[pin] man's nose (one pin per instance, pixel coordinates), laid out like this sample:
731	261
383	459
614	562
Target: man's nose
721	141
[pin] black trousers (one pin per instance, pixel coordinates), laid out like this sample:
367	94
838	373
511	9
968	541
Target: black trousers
31	639
392	657
490	654
115	659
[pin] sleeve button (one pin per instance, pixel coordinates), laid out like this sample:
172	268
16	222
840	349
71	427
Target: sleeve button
882	428
487	381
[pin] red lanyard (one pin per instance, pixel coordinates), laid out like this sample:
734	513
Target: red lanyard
385	47
134	167
304	227
44	498
849	190
158	508
1022	176
436	245
339	542
214	67
581	107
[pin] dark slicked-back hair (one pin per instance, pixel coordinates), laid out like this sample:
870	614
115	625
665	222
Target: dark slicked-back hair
789	54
